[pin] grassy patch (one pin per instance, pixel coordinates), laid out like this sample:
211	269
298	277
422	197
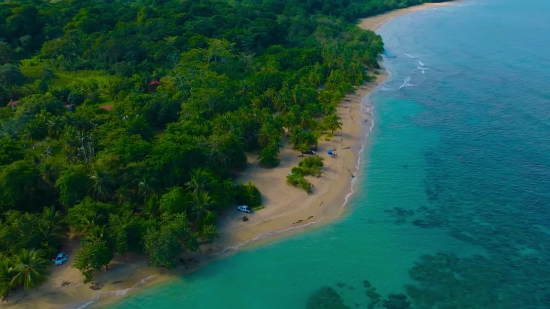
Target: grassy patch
32	69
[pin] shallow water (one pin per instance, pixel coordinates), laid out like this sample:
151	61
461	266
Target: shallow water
452	207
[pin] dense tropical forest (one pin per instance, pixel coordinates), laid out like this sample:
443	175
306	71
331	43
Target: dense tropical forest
123	121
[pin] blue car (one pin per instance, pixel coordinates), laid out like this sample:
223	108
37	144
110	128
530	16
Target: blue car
60	259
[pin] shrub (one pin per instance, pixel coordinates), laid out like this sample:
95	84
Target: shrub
248	194
305	184
298	180
294	179
75	98
269	157
309	166
312	166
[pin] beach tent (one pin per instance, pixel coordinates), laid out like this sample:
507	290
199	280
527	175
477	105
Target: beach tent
330	152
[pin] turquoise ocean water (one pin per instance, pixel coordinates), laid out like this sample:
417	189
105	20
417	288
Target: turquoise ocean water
452	208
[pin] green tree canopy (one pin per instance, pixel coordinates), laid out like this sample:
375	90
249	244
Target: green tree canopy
93	256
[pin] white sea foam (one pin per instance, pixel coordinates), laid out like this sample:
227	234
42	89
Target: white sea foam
406	82
410	56
421	63
422	69
267	234
359	157
116	293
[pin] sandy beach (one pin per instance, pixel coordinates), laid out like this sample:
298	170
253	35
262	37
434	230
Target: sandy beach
287	209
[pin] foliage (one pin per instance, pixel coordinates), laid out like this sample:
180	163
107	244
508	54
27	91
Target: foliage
332	122
10	151
93	256
52	227
18	186
248	194
309	166
126	231
163	243
312	165
73	184
208	232
6	276
269	155
31	269
174	201
298	180
202	204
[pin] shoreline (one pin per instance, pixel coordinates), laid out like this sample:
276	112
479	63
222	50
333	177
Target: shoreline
288	210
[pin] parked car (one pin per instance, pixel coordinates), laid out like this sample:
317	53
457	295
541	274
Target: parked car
244	208
60	259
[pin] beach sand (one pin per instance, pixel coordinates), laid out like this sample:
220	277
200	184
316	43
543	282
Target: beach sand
377	21
287	209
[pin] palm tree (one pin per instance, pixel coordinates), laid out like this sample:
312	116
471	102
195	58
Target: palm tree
53	221
6	276
101	184
52	227
256	102
305	119
201	205
47	174
281	101
275	143
29	134
97	233
332	122
295	136
243	88
267	133
123	194
150	207
145	187
31	269
88	222
70	152
55	128
270	94
199	180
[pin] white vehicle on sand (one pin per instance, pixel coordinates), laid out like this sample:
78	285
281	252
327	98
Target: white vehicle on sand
244	208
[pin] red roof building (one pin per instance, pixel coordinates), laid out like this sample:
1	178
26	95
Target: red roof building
13	104
152	87
107	107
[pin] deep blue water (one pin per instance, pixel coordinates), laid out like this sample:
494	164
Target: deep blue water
453	204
